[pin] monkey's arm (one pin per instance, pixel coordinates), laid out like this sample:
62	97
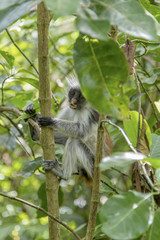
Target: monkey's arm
68	128
58	137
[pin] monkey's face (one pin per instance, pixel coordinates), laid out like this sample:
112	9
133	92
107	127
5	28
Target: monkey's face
76	99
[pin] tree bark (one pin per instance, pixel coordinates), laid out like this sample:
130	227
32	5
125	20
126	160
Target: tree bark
96	181
45	99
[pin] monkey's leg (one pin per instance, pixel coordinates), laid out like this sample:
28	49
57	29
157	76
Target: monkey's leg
85	159
77	156
54	167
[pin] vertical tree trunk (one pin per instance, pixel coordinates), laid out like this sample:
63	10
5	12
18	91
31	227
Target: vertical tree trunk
96	181
45	99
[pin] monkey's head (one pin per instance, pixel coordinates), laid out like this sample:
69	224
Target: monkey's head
76	99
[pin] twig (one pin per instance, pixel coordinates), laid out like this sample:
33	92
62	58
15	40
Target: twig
20	50
147	42
139	106
18	113
145	51
2	101
14	124
135	151
117	170
42	210
113	189
96	180
30	62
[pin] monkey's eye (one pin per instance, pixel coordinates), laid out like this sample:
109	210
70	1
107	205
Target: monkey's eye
71	93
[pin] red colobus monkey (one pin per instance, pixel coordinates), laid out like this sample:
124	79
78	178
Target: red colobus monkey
76	128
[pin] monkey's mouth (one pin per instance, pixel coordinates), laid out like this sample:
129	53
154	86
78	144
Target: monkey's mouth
73	106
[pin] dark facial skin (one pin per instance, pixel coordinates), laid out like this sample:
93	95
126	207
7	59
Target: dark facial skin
76	99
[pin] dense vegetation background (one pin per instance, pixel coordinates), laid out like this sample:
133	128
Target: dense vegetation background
87	37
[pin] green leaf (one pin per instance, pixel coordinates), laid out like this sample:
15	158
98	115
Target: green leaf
31	81
20	99
153	161
154	231
153	9
43	198
9	13
149	80
107	186
129	16
131	128
126	216
157	176
26	71
3	130
31	167
101	66
63	7
8	141
120	160
155	147
89	23
8	57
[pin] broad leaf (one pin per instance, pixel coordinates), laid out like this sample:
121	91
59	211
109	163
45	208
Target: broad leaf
129	16
20	99
154	232
31	81
43	198
9	13
89	23
120	160
9	58
131	129
8	141
126	216
101	67
63	7
155	147
31	167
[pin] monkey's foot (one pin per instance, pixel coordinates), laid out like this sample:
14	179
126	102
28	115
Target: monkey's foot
49	165
54	167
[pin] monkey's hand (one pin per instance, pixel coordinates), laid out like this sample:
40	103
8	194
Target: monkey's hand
29	109
46	121
54	167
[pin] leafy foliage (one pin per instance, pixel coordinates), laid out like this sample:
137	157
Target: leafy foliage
83	42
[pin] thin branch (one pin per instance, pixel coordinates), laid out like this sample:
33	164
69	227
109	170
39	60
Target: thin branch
112	188
150	183
96	180
18	113
147	42
20	50
2	101
14	124
42	210
145	50
117	170
30	62
139	106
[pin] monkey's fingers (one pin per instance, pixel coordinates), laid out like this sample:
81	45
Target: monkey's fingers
29	109
45	121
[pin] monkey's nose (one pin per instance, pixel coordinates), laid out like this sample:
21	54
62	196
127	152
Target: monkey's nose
73	103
